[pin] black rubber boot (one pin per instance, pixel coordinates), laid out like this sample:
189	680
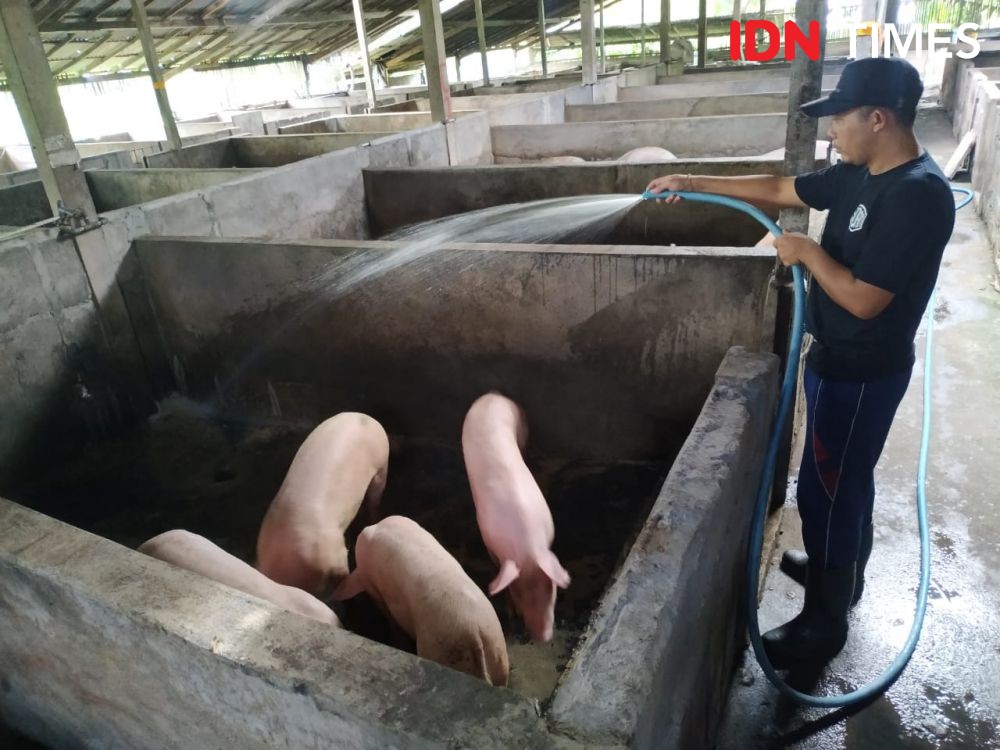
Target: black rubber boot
794	563
820	630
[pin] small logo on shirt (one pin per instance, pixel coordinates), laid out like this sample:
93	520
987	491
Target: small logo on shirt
858	218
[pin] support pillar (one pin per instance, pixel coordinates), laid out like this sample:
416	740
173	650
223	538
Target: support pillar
665	33
156	74
587	42
604	49
481	31
37	99
541	36
891	11
366	60
435	60
642	33
703	33
761	43
800	156
806	82
738	16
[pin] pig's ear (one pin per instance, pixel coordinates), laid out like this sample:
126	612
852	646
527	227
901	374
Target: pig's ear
507	575
549	564
349	587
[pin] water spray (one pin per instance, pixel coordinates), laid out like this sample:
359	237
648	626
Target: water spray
788	387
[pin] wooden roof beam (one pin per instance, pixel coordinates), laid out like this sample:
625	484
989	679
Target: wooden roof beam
122	23
81	57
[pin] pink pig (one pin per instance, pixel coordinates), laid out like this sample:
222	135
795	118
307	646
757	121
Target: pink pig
342	462
513	517
199	555
415	581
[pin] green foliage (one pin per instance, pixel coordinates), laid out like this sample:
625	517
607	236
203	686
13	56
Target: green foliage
957	12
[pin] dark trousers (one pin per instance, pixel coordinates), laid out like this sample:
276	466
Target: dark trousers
847	423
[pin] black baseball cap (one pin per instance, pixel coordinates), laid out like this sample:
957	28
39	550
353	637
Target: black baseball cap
871	81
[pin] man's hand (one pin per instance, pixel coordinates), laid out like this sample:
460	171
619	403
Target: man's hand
861	299
795	249
671	183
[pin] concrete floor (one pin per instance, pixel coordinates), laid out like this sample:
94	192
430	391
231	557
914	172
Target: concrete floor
949	697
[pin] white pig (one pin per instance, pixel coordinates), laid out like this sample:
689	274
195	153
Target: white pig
425	591
647	155
197	554
562	160
343	462
513	517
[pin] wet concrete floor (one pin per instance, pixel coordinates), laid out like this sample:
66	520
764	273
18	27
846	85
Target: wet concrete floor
949	696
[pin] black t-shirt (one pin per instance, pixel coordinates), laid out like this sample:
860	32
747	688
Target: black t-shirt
890	229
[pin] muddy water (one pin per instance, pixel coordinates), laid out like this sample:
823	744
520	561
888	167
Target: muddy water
214	478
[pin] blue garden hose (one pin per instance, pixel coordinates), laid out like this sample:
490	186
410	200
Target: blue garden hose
788	386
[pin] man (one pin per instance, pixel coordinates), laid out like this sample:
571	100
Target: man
891	215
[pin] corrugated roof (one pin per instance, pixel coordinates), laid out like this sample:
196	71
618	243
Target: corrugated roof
98	37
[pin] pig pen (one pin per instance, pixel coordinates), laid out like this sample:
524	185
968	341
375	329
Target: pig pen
383	122
454	190
649	413
111	189
685	137
254	152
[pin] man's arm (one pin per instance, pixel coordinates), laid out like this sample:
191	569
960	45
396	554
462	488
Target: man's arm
861	299
766	191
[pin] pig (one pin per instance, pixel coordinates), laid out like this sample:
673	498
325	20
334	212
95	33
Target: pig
414	580
342	463
562	160
647	155
513	517
197	554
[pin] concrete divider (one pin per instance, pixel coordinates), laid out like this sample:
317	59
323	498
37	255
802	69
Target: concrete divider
138	653
23	204
446	192
409	105
511	109
275	120
671	625
106	147
114	160
373	123
253	152
697	106
772	71
213	129
981	112
684	137
114	189
216	154
469	140
278	150
643	295
960	91
249	123
639	76
685	89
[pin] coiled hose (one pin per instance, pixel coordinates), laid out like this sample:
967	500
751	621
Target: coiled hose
884	681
